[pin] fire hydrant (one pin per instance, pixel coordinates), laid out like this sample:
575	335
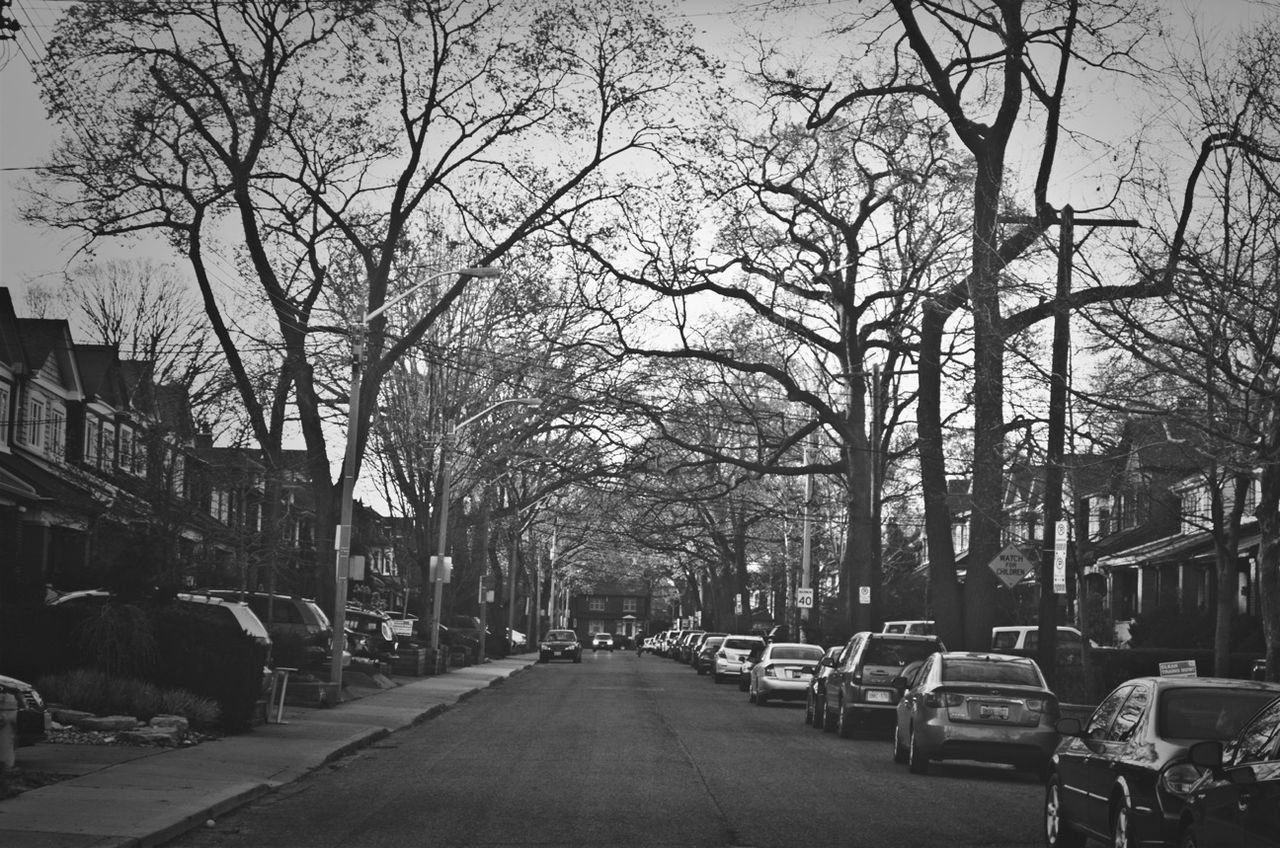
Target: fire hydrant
8	730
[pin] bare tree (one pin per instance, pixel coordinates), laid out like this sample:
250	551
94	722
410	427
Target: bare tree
285	149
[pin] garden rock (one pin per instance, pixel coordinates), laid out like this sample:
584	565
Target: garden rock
107	723
164	737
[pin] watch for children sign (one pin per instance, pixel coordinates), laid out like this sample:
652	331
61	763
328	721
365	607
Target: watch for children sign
1010	566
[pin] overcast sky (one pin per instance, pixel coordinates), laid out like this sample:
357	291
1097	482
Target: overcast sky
29	255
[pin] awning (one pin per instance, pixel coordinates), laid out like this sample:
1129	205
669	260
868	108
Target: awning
1162	551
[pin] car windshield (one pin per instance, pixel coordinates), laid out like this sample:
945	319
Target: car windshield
897	652
1208	713
561	636
969	670
741	644
797	652
713	643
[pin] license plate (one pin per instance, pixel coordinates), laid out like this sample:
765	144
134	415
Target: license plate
558	653
793	673
878	696
992	711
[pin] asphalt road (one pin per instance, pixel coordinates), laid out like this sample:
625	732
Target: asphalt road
623	750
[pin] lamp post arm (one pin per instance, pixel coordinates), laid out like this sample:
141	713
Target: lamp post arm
527	401
461	272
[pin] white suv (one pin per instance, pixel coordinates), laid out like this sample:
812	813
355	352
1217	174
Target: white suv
602	642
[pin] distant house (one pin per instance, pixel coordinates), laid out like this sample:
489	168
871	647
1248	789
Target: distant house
617	608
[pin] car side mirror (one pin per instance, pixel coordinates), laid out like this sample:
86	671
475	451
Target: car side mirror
900	683
829	662
1069	726
1207	755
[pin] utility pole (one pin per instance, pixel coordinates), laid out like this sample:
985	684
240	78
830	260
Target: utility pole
1054	459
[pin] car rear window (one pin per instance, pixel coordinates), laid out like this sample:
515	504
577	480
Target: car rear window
561	635
799	652
741	644
989	671
897	652
1208	713
1004	640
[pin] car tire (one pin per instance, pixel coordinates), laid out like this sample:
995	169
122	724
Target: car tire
743	683
819	716
808	708
828	723
844	722
751	694
544	659
917	762
1057	830
1122	835
578	658
761	699
717	677
899	750
1187	839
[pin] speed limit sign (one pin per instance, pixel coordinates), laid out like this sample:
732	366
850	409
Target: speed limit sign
804	598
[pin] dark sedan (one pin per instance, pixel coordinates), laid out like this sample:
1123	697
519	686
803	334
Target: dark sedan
1123	776
560	645
1237	802
816	693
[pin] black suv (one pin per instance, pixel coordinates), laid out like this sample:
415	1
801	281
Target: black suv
860	687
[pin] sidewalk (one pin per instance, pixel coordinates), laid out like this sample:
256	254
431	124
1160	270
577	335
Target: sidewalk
126	797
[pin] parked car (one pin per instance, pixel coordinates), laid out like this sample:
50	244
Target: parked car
816	691
468	632
683	648
1026	637
291	620
238	611
707	651
860	688
783	672
602	642
1123	776
917	627
975	706
33	720
695	646
729	659
377	637
1237	801
560	645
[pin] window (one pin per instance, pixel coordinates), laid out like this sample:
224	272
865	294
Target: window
178	482
108	458
596	604
91	440
1129	716
54	434
630	604
4	415
124	457
35	422
1100	722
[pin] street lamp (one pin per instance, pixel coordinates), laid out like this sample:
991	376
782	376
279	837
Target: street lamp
342	539
437	573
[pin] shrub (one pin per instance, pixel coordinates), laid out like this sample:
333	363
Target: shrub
99	693
116	638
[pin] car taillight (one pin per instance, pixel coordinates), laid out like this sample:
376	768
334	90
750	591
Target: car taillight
1178	779
937	700
769	672
720	655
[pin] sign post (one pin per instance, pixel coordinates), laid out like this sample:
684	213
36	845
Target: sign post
1010	566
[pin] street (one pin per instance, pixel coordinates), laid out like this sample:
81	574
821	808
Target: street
624	750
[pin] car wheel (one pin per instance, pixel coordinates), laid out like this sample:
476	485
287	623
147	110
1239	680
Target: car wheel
1188	839
844	722
1057	832
544	659
743	683
578	658
761	698
751	694
820	716
917	763
808	708
717	678
899	750
1122	825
